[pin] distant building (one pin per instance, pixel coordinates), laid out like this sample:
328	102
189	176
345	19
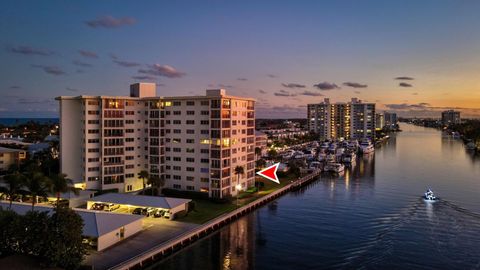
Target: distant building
451	117
285	133
379	121
193	142
352	120
9	157
390	119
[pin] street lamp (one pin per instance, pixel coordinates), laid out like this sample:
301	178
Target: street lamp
238	188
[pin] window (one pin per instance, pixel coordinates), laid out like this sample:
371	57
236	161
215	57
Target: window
177	168
93	131
177	131
176	149
190	169
204	160
177	112
204	131
204	103
177	122
177	177
190	178
175	186
190	141
204	122
205	112
204	151
190	188
190	112
190	122
190	103
190	159
177	103
190	150
204	170
204	179
190	131
178	159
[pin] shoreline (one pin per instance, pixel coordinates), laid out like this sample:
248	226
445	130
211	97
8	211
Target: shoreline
175	244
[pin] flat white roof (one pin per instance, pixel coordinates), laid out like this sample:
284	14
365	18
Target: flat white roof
140	200
96	223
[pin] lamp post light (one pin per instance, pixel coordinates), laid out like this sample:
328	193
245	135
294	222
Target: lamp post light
238	188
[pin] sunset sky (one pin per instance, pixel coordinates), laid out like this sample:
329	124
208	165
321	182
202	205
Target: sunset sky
413	57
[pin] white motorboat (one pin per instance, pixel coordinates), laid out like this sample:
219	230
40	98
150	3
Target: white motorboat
429	196
334	167
366	146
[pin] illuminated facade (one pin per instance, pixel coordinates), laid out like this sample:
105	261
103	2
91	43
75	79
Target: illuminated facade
192	142
352	120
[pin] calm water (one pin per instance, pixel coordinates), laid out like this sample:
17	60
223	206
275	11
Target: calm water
371	218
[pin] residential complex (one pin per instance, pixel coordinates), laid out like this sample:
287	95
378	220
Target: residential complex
352	120
193	142
261	143
379	121
9	157
391	120
451	117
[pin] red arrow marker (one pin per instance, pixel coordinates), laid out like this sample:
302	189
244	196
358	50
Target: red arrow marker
270	173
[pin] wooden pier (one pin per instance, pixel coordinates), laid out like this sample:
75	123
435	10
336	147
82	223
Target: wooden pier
169	247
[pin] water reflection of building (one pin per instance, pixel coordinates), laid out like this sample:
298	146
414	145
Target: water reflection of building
237	244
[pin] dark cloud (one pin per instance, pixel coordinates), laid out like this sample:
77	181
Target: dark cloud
283	93
415	94
293	85
144	77
15	87
262	91
30	101
51	69
404	78
326	86
123	63
27	50
311	93
71	89
355	85
221	85
87	54
242	79
404	84
405	106
162	70
271	76
81	64
110	22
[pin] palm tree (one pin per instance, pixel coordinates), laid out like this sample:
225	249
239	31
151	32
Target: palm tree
157	182
14	183
61	184
239	170
143	175
37	185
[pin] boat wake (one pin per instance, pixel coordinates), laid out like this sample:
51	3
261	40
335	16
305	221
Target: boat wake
450	232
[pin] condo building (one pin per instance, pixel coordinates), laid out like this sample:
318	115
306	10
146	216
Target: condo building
352	120
193	142
391	119
451	117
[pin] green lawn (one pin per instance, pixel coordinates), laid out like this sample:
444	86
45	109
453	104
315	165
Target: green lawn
206	210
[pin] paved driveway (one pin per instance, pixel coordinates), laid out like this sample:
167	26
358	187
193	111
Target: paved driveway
156	231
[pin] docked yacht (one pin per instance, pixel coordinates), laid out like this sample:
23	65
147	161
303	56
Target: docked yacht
353	145
429	196
366	146
349	157
334	167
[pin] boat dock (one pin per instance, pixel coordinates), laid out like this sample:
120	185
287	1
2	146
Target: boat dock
169	247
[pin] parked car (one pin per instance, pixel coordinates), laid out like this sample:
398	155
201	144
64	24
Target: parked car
110	207
166	215
139	211
158	213
150	211
97	206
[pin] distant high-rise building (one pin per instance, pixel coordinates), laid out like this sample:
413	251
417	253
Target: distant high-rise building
379	121
451	117
193	142
352	120
390	119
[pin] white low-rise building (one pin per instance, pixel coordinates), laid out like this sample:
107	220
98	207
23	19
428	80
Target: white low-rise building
102	228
